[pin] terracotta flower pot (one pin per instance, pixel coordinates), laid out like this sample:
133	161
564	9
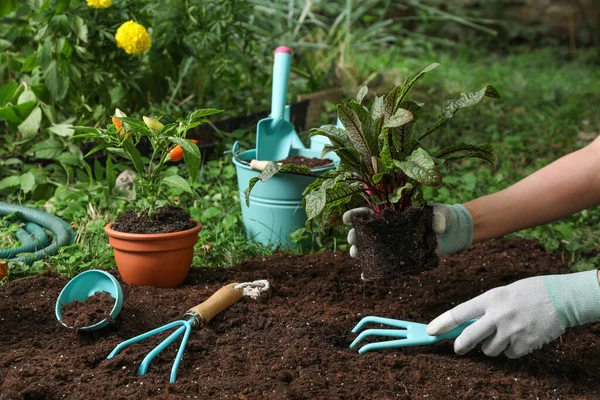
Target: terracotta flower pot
158	259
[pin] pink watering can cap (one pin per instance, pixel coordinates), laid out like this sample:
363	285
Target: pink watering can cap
283	49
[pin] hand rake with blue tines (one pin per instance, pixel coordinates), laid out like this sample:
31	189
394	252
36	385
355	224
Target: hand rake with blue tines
200	314
409	334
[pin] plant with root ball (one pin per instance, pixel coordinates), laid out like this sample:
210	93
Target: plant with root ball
383	163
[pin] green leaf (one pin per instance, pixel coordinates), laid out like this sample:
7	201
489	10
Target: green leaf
48	149
8	6
191	155
462	150
97	148
56	82
204	113
421	167
377	107
26	96
390	100
79	28
361	140
396	195
361	94
24	109
44	54
401	117
67	158
7	92
177	182
31	125
212	212
134	156
8	114
466	100
30	63
64	130
406	88
330	191
10	181
60	23
335	135
27	182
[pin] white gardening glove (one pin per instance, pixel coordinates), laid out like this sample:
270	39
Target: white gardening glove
522	317
452	224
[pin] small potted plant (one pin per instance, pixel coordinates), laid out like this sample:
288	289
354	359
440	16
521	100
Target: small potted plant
384	166
153	245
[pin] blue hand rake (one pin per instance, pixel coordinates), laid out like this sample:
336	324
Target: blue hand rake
200	314
410	334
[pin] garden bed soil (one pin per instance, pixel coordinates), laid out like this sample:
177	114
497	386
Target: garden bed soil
293	342
167	219
397	244
310	162
78	314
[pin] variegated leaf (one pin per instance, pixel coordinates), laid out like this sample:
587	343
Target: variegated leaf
421	167
462	150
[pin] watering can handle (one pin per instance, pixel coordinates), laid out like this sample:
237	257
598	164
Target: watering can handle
281	76
219	301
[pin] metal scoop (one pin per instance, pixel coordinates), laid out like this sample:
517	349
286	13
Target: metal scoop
410	334
200	314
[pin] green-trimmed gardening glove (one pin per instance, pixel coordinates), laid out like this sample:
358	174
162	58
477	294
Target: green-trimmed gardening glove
522	317
452	224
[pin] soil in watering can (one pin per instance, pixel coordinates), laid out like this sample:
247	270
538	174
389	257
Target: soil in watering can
309	162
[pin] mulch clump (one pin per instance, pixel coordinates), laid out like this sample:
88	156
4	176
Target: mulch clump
166	220
97	307
397	243
292	343
309	162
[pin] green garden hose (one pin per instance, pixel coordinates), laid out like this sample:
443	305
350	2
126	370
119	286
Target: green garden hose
32	239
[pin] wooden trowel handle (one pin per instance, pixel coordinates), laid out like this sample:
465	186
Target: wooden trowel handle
219	301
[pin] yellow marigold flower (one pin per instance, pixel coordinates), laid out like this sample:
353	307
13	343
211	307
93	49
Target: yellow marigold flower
133	38
99	3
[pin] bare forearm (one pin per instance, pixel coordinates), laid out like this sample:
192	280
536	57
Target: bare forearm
562	188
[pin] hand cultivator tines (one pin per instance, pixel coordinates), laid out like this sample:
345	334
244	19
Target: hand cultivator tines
410	334
200	314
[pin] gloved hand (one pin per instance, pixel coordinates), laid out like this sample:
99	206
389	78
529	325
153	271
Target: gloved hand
522	317
453	226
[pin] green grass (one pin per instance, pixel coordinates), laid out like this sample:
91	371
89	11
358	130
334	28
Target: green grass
545	104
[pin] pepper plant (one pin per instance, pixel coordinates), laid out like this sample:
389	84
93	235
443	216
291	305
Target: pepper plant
383	161
168	144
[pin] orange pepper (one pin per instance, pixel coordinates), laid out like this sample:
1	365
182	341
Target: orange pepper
118	123
176	153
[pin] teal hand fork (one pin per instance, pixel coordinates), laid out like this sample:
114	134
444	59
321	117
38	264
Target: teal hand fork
200	314
409	334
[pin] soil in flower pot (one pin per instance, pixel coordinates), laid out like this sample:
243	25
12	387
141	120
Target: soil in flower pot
310	162
166	220
397	244
95	308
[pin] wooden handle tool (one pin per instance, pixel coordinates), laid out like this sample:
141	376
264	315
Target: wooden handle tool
219	301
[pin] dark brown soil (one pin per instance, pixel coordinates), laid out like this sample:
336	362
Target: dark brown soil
94	309
309	162
397	244
168	219
293	342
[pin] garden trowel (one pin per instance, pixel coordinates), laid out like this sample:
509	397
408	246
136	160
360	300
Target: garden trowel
274	134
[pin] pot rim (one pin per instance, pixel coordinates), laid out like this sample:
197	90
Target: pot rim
151	236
